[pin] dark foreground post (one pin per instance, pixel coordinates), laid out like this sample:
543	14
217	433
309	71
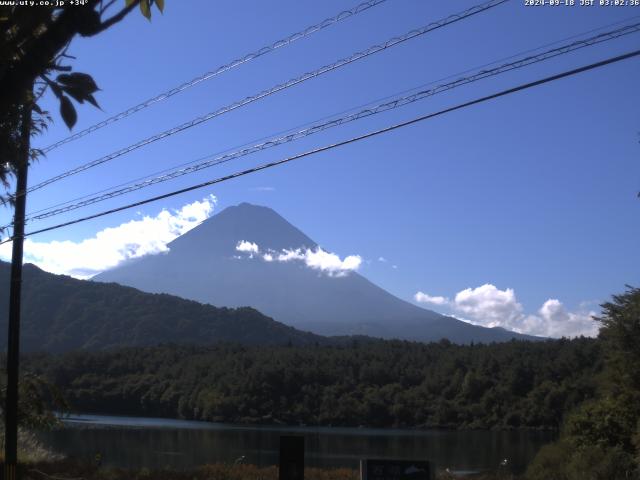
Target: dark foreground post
291	458
15	290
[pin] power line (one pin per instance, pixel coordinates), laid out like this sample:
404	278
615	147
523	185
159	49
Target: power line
277	88
224	68
307	76
396	126
335	122
387	97
393	104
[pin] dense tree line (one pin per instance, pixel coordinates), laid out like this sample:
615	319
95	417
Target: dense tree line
382	384
600	439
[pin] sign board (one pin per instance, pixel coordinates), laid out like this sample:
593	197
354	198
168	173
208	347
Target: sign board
394	470
291	458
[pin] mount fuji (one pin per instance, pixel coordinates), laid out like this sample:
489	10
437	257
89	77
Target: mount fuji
205	265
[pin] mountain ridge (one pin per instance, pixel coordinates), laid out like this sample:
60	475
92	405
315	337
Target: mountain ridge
204	265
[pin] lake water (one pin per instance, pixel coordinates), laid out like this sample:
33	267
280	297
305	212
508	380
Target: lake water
156	442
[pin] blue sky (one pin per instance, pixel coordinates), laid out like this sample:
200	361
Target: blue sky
535	192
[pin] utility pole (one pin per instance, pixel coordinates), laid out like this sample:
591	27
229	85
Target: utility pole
13	350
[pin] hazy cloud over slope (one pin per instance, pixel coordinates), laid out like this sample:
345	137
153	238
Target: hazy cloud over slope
113	245
316	258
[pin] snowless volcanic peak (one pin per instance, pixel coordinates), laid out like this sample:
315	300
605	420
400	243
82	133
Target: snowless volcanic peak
249	255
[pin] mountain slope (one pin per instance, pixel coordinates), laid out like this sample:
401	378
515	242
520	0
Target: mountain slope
60	313
203	265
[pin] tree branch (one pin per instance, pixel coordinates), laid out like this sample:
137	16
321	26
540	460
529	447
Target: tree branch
104	8
116	18
70	22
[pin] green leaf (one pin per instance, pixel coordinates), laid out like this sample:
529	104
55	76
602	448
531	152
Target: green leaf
145	9
160	4
57	91
76	93
82	81
128	3
93	101
68	112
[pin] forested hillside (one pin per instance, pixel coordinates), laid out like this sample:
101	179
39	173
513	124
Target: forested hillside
384	383
60	313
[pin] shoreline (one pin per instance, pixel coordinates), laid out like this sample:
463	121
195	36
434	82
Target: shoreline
92	471
77	420
328	447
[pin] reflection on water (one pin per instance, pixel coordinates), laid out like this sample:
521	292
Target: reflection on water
154	443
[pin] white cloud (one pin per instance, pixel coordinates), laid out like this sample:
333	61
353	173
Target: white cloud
288	255
426	298
113	245
554	320
322	260
247	247
489	306
316	259
382	259
330	262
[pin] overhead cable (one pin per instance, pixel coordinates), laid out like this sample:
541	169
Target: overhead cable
319	127
277	88
223	68
387	97
265	166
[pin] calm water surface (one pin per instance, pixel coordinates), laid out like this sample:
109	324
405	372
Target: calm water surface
156	442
